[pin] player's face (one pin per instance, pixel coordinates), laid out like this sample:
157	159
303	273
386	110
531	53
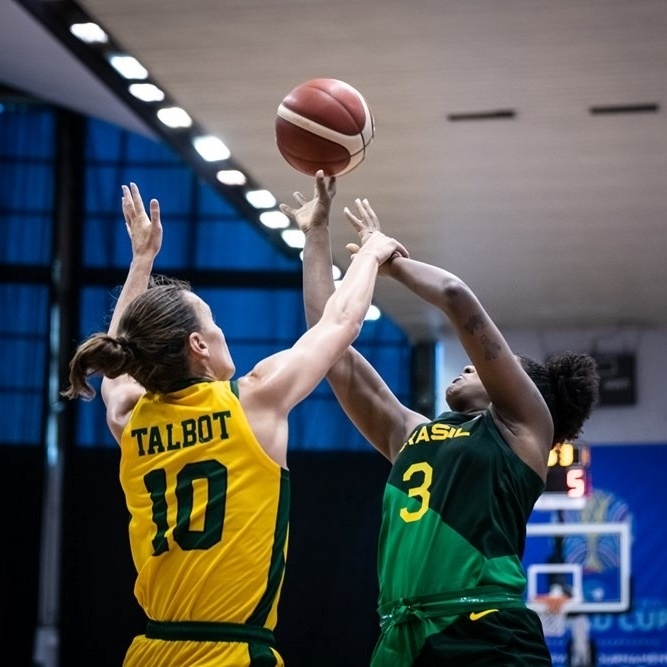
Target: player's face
219	361
466	392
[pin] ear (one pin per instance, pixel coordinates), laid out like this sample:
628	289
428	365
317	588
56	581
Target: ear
198	345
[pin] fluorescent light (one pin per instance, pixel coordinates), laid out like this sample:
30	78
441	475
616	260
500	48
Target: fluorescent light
174	117
260	198
274	220
211	148
146	92
294	238
90	33
231	177
128	66
373	314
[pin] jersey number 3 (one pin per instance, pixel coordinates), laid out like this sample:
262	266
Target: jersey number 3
424	474
215	475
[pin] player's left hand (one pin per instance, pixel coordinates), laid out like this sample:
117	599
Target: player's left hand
145	233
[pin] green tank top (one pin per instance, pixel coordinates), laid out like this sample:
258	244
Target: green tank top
454	512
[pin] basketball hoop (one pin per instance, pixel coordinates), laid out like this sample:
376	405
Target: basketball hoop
552	610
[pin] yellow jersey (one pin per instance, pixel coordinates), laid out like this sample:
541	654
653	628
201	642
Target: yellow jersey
208	509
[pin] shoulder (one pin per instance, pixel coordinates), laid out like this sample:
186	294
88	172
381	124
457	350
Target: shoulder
120	399
532	449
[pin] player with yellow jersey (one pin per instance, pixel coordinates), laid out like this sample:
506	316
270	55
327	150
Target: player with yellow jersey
209	514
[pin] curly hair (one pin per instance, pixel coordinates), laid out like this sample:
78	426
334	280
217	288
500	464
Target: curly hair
151	345
569	383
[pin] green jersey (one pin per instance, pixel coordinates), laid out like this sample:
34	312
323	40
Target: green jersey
455	510
453	530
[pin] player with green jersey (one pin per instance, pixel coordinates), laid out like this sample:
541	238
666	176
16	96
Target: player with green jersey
459	547
462	486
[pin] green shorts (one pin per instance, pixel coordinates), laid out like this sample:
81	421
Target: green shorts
503	638
493	635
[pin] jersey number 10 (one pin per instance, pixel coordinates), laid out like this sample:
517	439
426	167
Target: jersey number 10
187	539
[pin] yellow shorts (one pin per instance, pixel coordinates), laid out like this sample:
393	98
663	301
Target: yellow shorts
145	652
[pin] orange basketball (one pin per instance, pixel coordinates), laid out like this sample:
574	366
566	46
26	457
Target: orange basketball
324	124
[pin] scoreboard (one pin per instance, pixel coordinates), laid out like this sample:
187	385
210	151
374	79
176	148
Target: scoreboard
568	477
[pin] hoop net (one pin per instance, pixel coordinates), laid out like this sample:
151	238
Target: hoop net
552	610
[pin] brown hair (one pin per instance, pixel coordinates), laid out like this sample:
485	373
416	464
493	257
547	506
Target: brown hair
151	345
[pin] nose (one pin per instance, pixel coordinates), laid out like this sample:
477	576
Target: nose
469	369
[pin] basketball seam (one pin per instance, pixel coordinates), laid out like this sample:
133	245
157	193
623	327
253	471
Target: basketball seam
355	143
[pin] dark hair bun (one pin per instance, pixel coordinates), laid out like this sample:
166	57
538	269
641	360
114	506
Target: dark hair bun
575	381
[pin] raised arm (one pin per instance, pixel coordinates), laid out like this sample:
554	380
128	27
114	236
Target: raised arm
121	394
360	390
281	381
516	402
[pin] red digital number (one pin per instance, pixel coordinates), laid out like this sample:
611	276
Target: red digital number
576	483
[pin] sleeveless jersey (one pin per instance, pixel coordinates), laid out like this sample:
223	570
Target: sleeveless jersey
208	509
454	512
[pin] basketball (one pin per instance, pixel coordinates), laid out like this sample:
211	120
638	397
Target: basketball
324	124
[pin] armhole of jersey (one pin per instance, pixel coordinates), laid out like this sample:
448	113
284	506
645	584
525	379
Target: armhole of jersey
492	427
234	386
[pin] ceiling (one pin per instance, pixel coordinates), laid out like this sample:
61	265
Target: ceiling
556	217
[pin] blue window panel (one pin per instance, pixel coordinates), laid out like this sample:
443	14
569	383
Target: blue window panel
96	308
111	143
24	417
107	244
239	244
26	132
26	239
212	204
26	214
170	184
319	424
91	425
24	310
28	187
24	342
24	363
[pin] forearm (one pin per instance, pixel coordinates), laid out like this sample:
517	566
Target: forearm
352	299
135	284
318	283
433	284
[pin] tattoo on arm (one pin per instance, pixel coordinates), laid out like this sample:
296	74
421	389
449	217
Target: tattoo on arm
474	323
491	348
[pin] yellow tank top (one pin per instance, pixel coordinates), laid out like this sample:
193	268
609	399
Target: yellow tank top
208	509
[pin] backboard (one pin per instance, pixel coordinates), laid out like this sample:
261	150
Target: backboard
591	562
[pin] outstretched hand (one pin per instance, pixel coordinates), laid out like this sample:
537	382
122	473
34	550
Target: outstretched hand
383	247
145	233
366	225
314	212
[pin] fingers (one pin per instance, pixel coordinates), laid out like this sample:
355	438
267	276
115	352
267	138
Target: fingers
366	211
287	210
401	250
136	197
132	204
324	189
155	211
300	198
126	202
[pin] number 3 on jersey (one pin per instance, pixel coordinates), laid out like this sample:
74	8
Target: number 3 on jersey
424	477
